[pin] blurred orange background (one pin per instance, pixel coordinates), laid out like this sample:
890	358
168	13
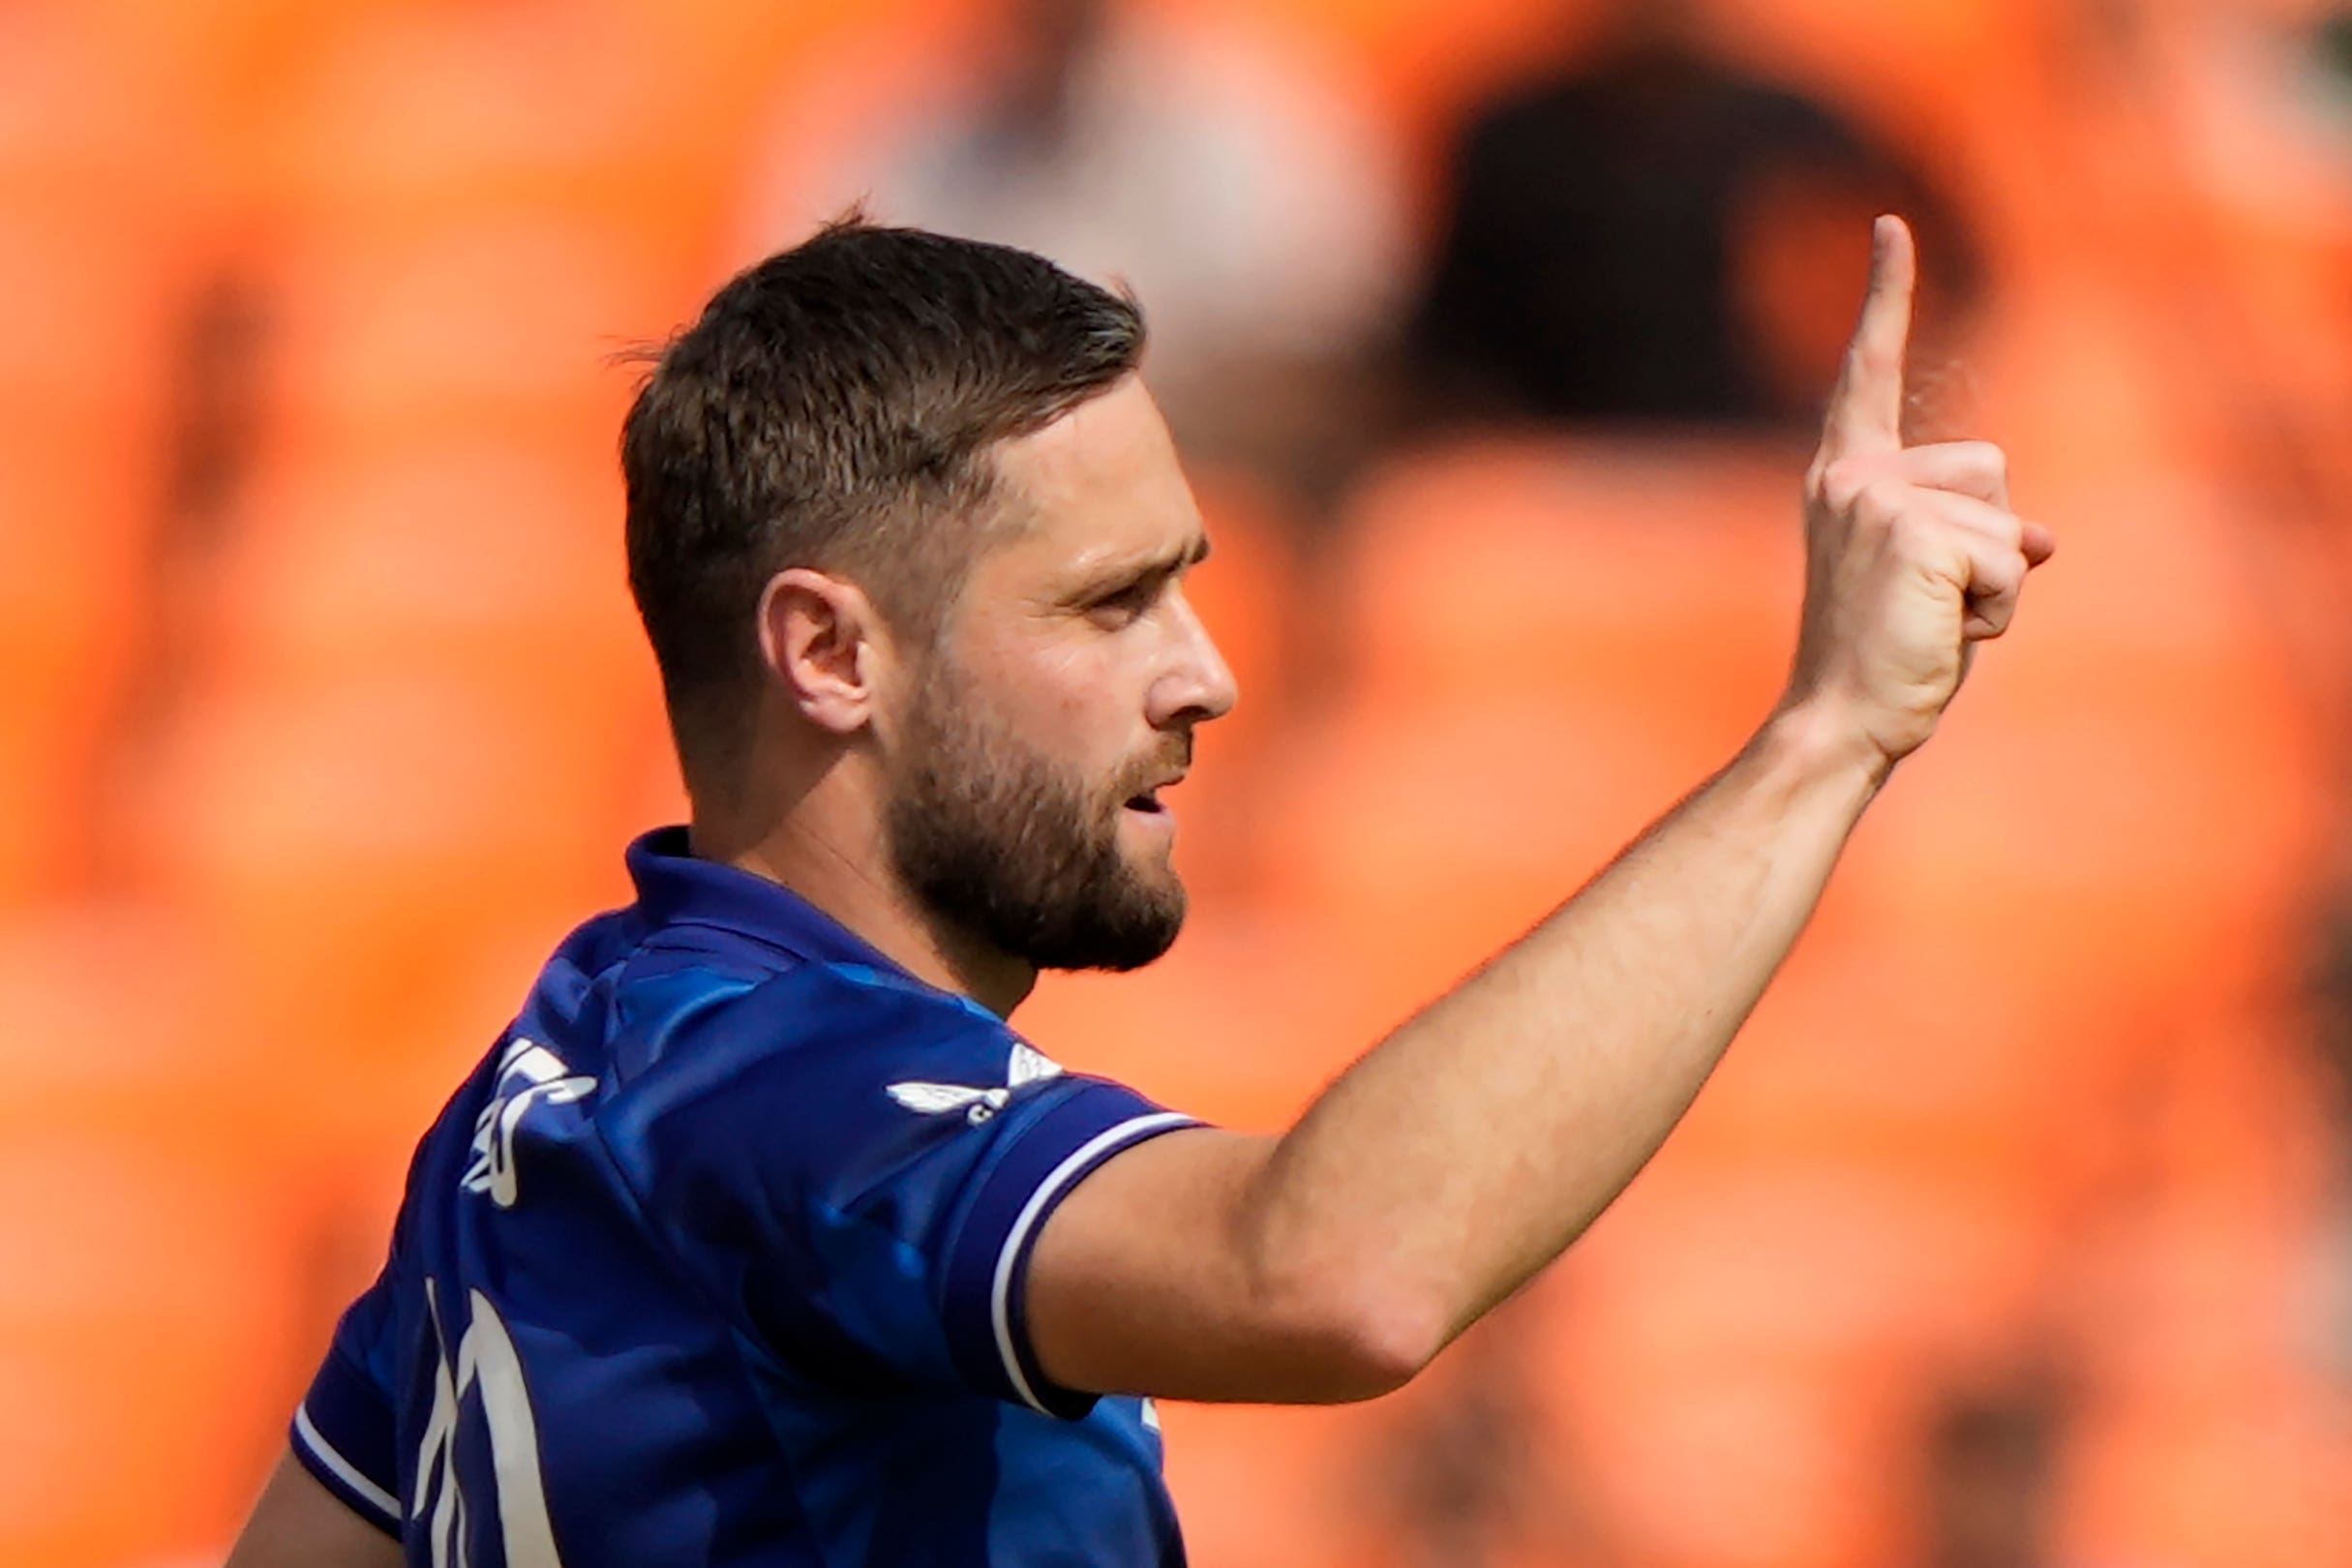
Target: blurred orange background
2016	1231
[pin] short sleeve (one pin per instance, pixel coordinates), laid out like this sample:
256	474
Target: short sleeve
342	1429
863	1182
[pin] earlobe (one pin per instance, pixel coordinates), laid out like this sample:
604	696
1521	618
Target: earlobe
816	641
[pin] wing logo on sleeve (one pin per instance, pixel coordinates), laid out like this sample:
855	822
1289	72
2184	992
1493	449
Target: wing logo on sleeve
529	1075
977	1103
480	1448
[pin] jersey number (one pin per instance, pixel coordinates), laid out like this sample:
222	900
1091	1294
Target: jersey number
480	1409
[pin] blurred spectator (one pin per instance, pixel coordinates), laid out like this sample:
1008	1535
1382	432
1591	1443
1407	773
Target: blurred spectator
1651	236
1473	1472
2331	991
1214	168
1991	1458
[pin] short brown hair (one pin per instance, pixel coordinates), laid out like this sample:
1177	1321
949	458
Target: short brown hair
833	407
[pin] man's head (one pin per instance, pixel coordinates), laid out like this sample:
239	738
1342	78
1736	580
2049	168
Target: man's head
900	511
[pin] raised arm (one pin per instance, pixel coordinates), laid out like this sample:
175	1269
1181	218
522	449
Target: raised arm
1475	1143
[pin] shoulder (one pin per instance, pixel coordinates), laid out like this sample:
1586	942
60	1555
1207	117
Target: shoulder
704	1015
819	1068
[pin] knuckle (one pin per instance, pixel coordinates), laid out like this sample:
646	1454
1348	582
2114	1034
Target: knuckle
1987	456
1884	498
2005	531
1874	357
1839	480
1999	588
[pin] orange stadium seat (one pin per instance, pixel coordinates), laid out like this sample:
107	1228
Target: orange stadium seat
1914	69
1552	644
654	791
345	837
2223	1483
506	326
1777	1305
1897	1188
491	560
1774	1306
1237	1025
147	1297
151	1261
231	57
420	119
1249	596
70	608
2129	800
96	262
1530	568
2214	1429
1263	1486
1801	1459
2190	224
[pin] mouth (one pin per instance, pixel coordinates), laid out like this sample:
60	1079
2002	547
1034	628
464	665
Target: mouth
1147	803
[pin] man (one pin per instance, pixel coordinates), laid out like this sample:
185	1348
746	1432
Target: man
760	1239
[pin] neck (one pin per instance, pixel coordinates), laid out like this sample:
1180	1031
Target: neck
827	847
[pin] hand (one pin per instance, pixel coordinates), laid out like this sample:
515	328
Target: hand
1912	553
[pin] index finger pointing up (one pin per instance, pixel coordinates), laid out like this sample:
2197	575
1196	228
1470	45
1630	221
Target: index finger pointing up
1866	406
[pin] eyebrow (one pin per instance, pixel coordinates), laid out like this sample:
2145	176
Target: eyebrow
1117	579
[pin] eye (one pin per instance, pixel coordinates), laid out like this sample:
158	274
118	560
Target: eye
1123	605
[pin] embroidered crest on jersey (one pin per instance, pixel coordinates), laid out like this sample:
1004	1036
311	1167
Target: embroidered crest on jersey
1028	1065
529	1075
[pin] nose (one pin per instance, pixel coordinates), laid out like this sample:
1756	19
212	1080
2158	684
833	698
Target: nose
1196	683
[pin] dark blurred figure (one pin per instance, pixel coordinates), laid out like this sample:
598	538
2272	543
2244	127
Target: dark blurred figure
1474	1472
2330	990
1991	1464
1658	236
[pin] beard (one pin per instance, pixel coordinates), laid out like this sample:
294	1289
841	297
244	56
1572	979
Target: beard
994	837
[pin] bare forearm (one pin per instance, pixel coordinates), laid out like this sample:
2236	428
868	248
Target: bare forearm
1473	1145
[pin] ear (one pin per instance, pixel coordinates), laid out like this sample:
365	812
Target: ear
824	647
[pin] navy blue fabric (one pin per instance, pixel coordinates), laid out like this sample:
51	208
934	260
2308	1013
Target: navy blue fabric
716	1259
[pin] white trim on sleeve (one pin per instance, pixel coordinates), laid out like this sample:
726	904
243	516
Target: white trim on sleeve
1000	1303
342	1468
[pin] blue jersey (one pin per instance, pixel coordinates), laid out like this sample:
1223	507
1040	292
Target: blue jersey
717	1258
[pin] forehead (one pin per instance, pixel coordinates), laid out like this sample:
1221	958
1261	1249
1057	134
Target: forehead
1099	485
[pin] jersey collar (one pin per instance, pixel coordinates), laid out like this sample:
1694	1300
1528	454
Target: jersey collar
675	887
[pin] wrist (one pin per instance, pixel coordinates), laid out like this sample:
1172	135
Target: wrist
1816	746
